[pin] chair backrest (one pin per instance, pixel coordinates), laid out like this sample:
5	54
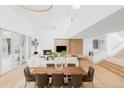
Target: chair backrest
50	65
73	56
41	80
71	65
58	79
76	80
26	72
28	76
91	72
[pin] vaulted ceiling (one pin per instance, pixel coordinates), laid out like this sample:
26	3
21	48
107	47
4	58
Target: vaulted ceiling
38	19
88	21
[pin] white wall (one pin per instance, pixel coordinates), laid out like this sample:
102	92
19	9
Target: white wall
98	54
87	46
12	21
111	45
114	43
46	38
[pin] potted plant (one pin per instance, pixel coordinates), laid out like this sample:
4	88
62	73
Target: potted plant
35	43
59	59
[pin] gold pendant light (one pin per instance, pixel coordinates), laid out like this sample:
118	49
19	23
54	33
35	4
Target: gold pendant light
37	8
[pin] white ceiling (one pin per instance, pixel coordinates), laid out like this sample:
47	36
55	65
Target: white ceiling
42	18
87	17
85	20
110	24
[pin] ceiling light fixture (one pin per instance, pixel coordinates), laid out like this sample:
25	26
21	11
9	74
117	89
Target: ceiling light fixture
49	26
37	8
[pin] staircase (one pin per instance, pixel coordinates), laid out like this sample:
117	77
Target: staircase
120	54
116	69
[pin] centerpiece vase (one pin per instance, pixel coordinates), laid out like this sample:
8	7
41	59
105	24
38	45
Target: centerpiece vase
59	63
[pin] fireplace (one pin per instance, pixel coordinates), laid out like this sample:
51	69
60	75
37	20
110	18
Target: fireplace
61	48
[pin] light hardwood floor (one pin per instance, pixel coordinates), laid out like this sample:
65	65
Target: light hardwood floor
102	78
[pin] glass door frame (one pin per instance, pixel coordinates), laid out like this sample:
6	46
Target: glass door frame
26	43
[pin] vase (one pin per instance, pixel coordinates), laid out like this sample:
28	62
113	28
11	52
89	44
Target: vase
59	64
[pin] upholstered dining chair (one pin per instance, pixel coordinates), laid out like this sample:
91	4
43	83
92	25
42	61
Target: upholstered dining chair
50	65
28	76
71	65
89	76
75	81
58	79
42	80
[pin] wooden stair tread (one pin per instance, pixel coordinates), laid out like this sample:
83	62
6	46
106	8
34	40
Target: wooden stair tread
114	69
120	68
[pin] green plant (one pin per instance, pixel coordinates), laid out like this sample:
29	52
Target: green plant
63	54
55	54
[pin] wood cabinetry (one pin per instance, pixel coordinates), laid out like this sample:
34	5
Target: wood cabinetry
61	42
74	46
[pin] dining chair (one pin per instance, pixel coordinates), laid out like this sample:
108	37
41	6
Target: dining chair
41	80
75	81
89	76
58	79
28	76
71	65
50	65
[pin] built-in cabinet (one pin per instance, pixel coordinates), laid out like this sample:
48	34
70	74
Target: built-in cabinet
74	46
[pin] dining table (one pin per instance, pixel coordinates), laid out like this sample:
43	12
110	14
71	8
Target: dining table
51	70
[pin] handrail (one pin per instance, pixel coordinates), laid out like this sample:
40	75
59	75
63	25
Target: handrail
118	44
94	53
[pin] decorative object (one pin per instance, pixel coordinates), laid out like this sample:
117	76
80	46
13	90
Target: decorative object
37	8
35	44
59	59
58	54
59	63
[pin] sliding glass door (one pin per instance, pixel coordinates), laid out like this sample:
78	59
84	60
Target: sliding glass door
19	54
13	49
6	50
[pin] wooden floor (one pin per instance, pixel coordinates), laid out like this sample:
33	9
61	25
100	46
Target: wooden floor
114	68
103	78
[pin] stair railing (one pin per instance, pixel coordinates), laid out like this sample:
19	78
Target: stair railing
118	44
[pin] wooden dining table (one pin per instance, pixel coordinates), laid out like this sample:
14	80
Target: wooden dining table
51	70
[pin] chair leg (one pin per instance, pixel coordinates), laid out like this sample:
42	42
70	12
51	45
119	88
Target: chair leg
82	84
35	85
92	84
25	84
89	83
